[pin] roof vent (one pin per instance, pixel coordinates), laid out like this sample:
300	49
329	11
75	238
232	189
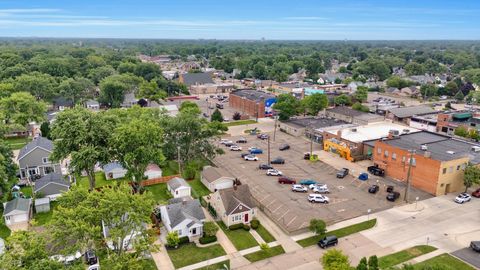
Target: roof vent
424	147
451	152
476	148
406	131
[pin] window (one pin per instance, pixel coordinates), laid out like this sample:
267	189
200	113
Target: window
45	160
450	169
48	169
385	154
7	218
458	167
379	150
444	171
394	156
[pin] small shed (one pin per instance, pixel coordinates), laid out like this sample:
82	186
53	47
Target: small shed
114	170
42	205
153	171
178	187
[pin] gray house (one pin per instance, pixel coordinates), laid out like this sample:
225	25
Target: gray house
51	186
34	161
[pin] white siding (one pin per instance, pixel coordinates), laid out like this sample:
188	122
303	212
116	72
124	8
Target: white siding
181	192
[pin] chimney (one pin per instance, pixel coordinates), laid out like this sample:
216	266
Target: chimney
339	134
427	154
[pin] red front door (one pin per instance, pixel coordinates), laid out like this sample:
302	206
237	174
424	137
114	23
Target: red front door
246	218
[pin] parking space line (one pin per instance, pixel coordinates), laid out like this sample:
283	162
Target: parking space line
293	219
288	210
270	203
268	195
280	206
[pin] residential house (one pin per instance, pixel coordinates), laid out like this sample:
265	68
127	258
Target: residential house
178	187
234	205
33	159
92	105
392	90
185	217
153	171
216	178
409	91
129	100
114	170
51	186
17	212
62	103
42	205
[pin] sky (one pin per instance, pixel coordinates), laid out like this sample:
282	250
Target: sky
245	19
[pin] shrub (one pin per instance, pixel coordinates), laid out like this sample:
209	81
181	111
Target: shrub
264	246
183	240
235	226
212	210
210	229
255	223
172	239
237	116
207	239
246	227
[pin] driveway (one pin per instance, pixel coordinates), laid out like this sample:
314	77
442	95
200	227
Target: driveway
469	256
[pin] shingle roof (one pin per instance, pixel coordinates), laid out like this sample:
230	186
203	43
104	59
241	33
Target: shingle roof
403	112
178	212
111	166
177	182
19	204
36	142
233	197
53	178
211	174
197	78
153	167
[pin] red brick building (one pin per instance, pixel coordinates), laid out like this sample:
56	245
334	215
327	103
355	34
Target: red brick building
252	102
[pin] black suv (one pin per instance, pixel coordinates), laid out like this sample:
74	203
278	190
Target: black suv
219	106
242	140
284	147
375	170
327	241
264	167
373	189
342	173
475	245
278	161
393	196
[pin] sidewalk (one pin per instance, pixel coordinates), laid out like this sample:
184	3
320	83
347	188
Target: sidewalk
423	257
288	244
203	264
222	238
161	258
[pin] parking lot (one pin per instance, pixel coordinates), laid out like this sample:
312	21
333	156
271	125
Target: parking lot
469	256
348	196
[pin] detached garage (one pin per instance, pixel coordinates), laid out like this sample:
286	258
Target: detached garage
114	170
178	187
215	178
17	211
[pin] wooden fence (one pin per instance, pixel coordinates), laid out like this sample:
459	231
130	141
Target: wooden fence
154	181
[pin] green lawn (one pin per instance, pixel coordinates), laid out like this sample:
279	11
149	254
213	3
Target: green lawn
100	180
190	254
44	218
266	235
404	255
170	168
148	264
240	238
4	230
310	241
240	122
27	191
198	188
17	143
160	192
263	254
216	266
446	262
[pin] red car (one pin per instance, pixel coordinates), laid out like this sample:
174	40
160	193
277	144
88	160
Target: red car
286	180
476	193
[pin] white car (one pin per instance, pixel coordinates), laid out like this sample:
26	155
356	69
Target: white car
235	148
463	197
251	158
274	172
299	188
317	198
225	141
319	188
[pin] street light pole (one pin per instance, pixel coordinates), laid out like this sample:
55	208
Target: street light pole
268	149
275	127
178	160
409	172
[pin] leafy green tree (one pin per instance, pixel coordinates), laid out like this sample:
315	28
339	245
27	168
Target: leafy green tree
361	94
343	99
334	259
288	106
471	75
76	89
84	137
428	90
471	176
173	239
45	130
216	116
459	96
414	68
148	71
373	263
373	67
451	88
38	84
210	228
317	226
152	92
188	107
8	168
114	88
359	107
126	67
461	131
397	82
315	103
19	109
100	73
362	265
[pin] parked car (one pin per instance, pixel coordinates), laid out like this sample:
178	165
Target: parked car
342	173
393	196
463	197
284	147
286	180
390	189
373	189
242	140
476	193
327	241
264	167
274	172
475	245
244	154
228	144
307	182
219	106
317	198
251	158
224	141
235	148
375	170
306	156
319	188
278	161
262	136
299	188
256	151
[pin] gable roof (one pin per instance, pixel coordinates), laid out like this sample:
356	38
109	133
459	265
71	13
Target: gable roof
42	201
92	102
403	112
54	179
197	78
212	174
36	142
17	204
153	167
112	166
180	211
232	198
177	182
61	101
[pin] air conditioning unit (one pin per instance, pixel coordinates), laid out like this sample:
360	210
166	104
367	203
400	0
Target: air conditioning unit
476	149
451	152
427	154
424	147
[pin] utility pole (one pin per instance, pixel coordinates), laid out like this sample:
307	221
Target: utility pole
409	172
275	127
268	149
178	157
311	139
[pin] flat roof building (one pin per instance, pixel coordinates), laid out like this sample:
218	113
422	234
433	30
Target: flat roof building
302	126
350	115
252	102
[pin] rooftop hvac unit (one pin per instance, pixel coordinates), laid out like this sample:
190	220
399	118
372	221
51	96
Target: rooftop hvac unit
424	147
476	148
394	132
427	154
354	130
451	152
406	131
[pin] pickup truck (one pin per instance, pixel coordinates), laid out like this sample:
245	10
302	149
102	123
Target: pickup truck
376	171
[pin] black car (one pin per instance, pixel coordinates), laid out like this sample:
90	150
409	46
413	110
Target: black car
475	245
90	257
242	140
389	189
327	241
393	196
373	189
284	147
265	167
376	171
228	144
278	161
342	173
244	154
220	106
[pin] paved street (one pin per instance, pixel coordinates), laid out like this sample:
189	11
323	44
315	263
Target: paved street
469	256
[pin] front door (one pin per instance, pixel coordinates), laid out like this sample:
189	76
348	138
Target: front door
246	218
194	231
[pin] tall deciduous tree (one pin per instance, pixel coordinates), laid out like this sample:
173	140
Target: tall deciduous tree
361	94
83	136
317	226
75	89
38	84
334	259
19	109
216	116
7	167
137	144
288	106
315	103
151	91
471	176
189	107
343	100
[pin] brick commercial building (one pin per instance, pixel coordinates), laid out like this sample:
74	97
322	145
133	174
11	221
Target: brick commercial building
404	114
447	122
252	102
438	161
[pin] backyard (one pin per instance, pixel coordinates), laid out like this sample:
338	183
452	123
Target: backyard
4	230
44	218
17	143
188	254
240	238
160	193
